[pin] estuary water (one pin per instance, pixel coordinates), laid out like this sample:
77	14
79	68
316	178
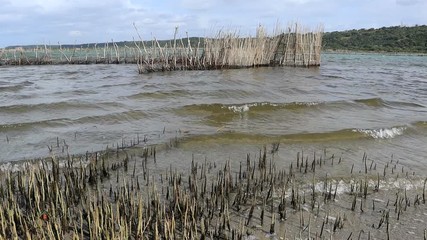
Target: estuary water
351	104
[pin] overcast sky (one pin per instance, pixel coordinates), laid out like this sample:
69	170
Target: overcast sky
82	21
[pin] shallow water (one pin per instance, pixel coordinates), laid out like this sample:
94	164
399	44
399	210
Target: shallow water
352	104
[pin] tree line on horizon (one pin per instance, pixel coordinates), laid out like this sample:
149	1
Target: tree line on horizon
386	39
148	43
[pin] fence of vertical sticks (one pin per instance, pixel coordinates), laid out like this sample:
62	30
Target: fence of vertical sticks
295	46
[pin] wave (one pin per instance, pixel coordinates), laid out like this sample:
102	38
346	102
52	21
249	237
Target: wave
11	88
80	92
372	102
339	135
245	107
160	94
383	133
115	85
420	124
20	108
37	124
295	106
112	118
379	102
329	76
42	106
348	134
267	106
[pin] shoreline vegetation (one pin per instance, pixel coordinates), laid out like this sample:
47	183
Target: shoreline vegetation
295	46
396	39
119	194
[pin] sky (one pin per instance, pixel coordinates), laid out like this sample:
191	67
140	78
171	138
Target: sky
24	22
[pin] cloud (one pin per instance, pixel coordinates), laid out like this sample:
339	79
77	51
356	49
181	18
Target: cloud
408	2
38	21
75	33
198	4
7	17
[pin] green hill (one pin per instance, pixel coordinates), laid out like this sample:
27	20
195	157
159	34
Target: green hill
385	39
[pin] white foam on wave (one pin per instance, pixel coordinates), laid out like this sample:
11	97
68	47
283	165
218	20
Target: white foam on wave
246	107
383	133
307	103
240	109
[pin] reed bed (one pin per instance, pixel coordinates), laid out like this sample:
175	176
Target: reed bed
114	195
295	46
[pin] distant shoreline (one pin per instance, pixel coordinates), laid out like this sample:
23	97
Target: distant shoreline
342	51
110	59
